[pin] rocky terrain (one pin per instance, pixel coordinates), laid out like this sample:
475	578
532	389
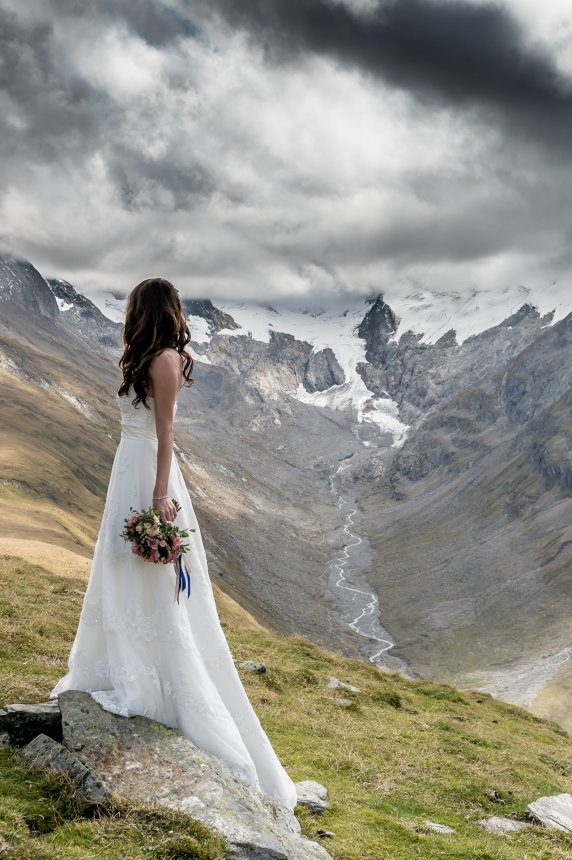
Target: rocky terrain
451	457
471	521
106	755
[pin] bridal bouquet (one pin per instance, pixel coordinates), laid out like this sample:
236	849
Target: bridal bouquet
159	542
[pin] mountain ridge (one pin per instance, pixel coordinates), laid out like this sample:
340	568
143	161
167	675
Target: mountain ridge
455	455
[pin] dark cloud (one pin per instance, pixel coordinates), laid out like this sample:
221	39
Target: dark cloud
48	113
460	54
57	116
156	136
141	181
156	23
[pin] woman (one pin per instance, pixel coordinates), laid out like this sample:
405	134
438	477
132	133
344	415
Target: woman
137	650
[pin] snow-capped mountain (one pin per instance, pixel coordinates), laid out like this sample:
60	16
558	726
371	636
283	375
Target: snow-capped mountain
366	476
431	314
335	329
341	362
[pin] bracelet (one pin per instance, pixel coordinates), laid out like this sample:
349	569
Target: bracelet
156	498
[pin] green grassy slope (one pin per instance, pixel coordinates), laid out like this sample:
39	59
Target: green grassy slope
403	752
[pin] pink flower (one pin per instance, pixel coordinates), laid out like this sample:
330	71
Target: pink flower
135	549
134	518
153	543
177	541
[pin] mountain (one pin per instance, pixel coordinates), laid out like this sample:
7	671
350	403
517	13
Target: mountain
395	496
463	493
22	287
252	461
83	315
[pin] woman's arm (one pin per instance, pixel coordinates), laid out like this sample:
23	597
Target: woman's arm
165	373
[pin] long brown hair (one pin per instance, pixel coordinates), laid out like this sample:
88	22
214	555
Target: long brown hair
154	319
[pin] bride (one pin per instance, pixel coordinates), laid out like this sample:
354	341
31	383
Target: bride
137	650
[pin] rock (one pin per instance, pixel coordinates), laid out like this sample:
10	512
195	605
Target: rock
250	666
448	339
554	812
334	683
313	795
217	319
494	795
44	753
501	825
143	760
322	371
23	722
4	739
439	828
325	834
343	703
377	327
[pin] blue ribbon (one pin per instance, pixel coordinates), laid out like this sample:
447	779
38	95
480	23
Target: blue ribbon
183	576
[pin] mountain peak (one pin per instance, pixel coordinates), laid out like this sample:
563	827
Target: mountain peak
216	318
22	285
377	326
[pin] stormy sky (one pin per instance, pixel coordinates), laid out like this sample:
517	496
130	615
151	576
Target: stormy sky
288	148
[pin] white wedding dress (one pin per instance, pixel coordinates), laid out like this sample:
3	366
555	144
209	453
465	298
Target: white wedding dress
138	651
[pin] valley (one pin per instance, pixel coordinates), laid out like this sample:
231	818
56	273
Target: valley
402	499
348	587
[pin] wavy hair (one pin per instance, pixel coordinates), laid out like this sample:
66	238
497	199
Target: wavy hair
154	320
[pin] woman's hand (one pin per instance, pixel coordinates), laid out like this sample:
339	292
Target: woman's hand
166	508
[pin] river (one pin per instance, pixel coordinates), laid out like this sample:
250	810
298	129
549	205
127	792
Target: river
357	604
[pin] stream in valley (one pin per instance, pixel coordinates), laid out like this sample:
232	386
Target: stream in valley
358	605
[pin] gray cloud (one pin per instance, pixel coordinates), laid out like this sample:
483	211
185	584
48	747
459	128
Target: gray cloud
46	114
159	24
270	148
458	53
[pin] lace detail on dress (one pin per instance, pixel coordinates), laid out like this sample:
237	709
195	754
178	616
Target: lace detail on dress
136	624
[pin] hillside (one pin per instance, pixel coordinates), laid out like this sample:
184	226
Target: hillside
255	493
393	755
401	497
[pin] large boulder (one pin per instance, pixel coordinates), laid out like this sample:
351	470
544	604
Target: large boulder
140	759
554	812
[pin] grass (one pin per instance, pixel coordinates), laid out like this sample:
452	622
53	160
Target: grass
41	818
401	754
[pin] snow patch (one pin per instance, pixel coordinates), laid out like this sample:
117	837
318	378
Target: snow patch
335	328
63	305
200	329
469	312
109	305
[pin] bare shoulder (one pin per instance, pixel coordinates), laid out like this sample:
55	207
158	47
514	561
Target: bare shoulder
166	370
167	358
